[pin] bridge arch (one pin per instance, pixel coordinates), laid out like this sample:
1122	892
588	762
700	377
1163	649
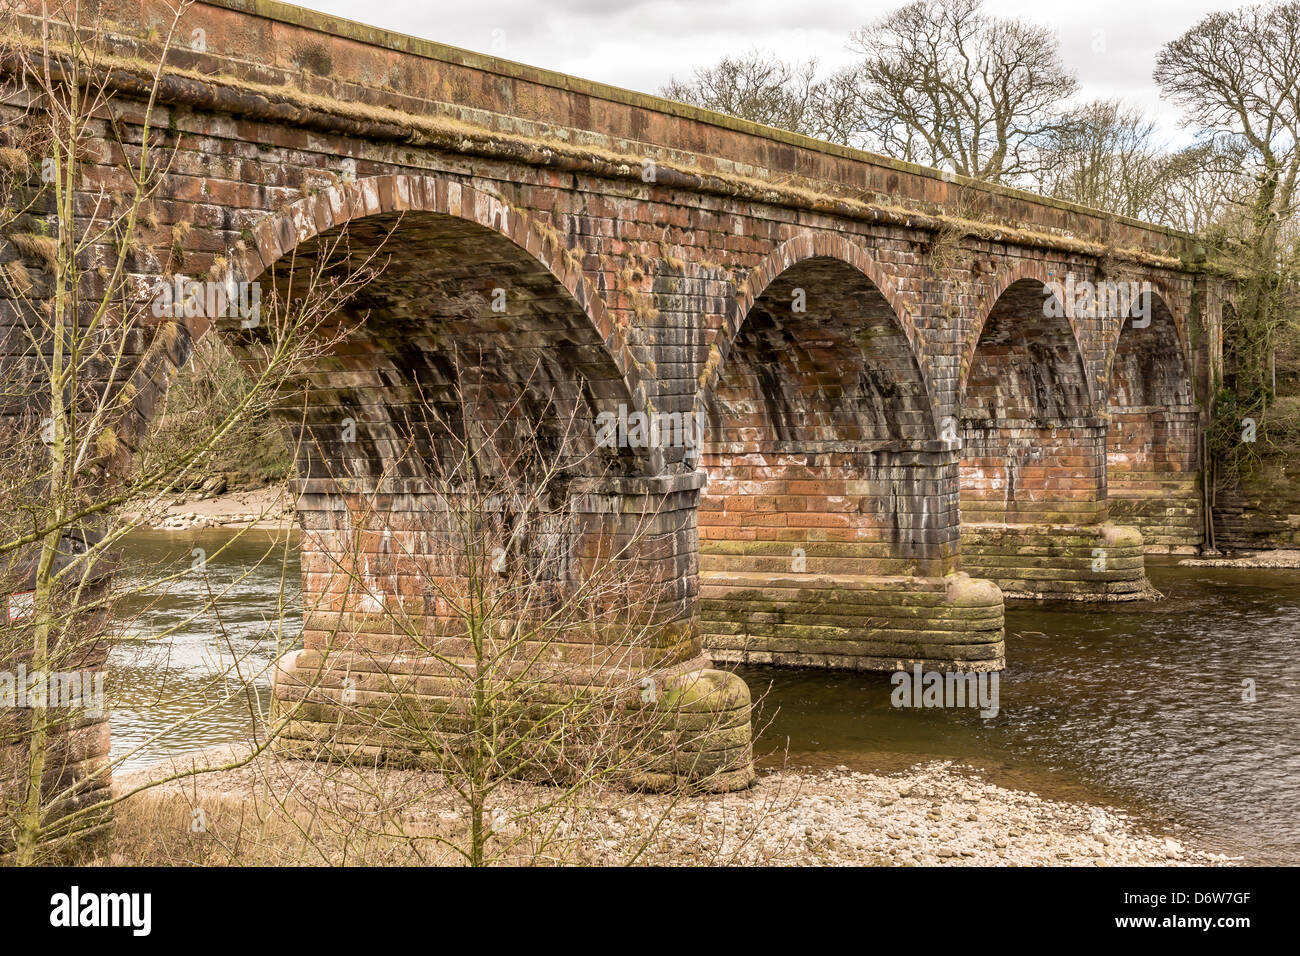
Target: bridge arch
435	210
1019	280
1034	503
816	346
1152	435
387	553
1151	359
1169	319
417	366
779	262
398	194
829	489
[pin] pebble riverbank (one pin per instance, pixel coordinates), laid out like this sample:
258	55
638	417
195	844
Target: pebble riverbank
1254	559
934	814
266	508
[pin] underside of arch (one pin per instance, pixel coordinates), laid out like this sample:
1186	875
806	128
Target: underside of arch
1033	464
830	496
1152	458
460	337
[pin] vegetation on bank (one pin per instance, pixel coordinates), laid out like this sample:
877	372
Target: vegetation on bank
252	453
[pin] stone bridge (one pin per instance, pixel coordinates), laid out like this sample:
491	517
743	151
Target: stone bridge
902	420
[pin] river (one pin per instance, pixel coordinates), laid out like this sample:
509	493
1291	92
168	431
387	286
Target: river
1135	705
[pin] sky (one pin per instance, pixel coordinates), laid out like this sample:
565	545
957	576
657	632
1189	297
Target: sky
639	44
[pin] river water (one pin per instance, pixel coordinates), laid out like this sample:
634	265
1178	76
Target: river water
1136	705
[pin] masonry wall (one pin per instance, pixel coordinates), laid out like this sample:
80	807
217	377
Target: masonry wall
667	268
1034	447
279	47
1263	513
641	288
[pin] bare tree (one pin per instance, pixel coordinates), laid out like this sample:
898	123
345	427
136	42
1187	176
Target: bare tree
89	339
1204	189
944	84
541	658
1104	155
756	86
525	658
940	83
1237	76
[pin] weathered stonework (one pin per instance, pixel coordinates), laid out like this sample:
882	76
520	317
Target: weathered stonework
1263	511
890	414
1040	449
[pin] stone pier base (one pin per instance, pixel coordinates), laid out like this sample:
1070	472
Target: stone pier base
1058	561
852	622
685	725
1164	506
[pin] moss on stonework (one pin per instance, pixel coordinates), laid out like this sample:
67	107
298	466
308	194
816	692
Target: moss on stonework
459	136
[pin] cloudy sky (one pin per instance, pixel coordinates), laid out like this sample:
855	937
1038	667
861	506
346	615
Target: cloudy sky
639	44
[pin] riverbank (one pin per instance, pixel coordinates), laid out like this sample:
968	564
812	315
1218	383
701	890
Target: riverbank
269	507
284	812
1288	559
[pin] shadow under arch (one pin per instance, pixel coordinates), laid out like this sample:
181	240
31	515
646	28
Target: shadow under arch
758	282
1025	295
463	273
475	331
1034	504
829	513
1152	455
820	355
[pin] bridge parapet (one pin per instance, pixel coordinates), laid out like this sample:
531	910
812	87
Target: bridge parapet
276	62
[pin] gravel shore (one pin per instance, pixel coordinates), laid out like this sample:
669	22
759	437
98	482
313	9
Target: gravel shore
264	508
937	815
1254	559
932	814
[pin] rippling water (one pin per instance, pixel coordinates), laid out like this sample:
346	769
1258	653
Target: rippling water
179	681
1135	704
1138	704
